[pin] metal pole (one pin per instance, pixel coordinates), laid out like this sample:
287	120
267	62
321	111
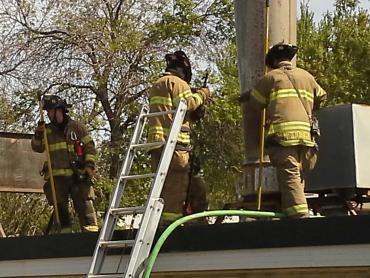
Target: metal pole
263	116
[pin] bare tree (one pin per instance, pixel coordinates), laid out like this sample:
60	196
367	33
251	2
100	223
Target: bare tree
100	54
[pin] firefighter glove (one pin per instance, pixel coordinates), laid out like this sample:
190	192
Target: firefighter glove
205	93
244	97
39	129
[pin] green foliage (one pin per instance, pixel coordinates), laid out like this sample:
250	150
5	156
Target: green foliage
23	214
218	140
337	51
103	56
7	116
179	24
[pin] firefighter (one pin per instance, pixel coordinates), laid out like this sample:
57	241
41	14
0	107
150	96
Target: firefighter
72	153
164	95
289	94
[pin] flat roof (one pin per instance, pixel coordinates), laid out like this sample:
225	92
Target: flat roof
339	230
318	242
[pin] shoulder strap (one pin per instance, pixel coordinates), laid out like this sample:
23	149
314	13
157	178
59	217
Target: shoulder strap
298	93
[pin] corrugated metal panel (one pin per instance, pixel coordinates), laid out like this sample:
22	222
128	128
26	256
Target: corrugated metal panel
19	165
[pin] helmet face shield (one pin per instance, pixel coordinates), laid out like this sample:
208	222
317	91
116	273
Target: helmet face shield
54	102
280	51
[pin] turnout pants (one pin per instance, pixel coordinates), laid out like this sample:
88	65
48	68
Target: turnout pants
292	164
177	180
82	195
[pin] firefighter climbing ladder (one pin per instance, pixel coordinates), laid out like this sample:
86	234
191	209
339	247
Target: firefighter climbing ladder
151	210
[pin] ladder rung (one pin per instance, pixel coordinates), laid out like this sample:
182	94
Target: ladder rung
156	114
136	177
151	212
117	243
147	145
113	275
128	210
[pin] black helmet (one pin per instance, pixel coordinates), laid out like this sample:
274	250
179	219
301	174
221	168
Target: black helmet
179	63
280	51
53	102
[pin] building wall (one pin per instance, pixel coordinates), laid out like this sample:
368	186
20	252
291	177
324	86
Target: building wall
330	272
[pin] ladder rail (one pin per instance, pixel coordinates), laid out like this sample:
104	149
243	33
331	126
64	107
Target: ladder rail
141	251
126	166
169	149
110	220
152	209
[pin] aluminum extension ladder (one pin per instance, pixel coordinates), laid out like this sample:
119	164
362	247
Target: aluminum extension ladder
152	210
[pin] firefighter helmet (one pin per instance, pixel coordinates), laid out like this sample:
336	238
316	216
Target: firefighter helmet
53	102
280	51
180	63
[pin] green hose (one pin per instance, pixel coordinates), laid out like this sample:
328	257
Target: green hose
174	225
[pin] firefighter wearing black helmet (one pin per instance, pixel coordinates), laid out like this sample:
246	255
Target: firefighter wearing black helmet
289	94
165	95
72	153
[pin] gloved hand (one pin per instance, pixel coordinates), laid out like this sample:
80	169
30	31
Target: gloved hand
197	114
205	92
39	131
91	172
244	97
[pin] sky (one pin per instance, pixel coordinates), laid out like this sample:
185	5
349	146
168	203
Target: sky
319	7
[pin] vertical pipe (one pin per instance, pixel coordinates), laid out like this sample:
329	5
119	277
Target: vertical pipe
250	39
283	21
250	34
263	115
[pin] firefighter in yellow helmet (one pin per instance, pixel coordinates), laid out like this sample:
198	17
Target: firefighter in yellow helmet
72	153
289	94
165	95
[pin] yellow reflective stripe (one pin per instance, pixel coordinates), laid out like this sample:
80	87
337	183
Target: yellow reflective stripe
86	139
160	100
183	137
171	216
295	142
154	131
58	146
297	209
291	125
61	172
90	157
292	133
198	98
186	94
158	130
320	92
283	93
258	97
90	228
